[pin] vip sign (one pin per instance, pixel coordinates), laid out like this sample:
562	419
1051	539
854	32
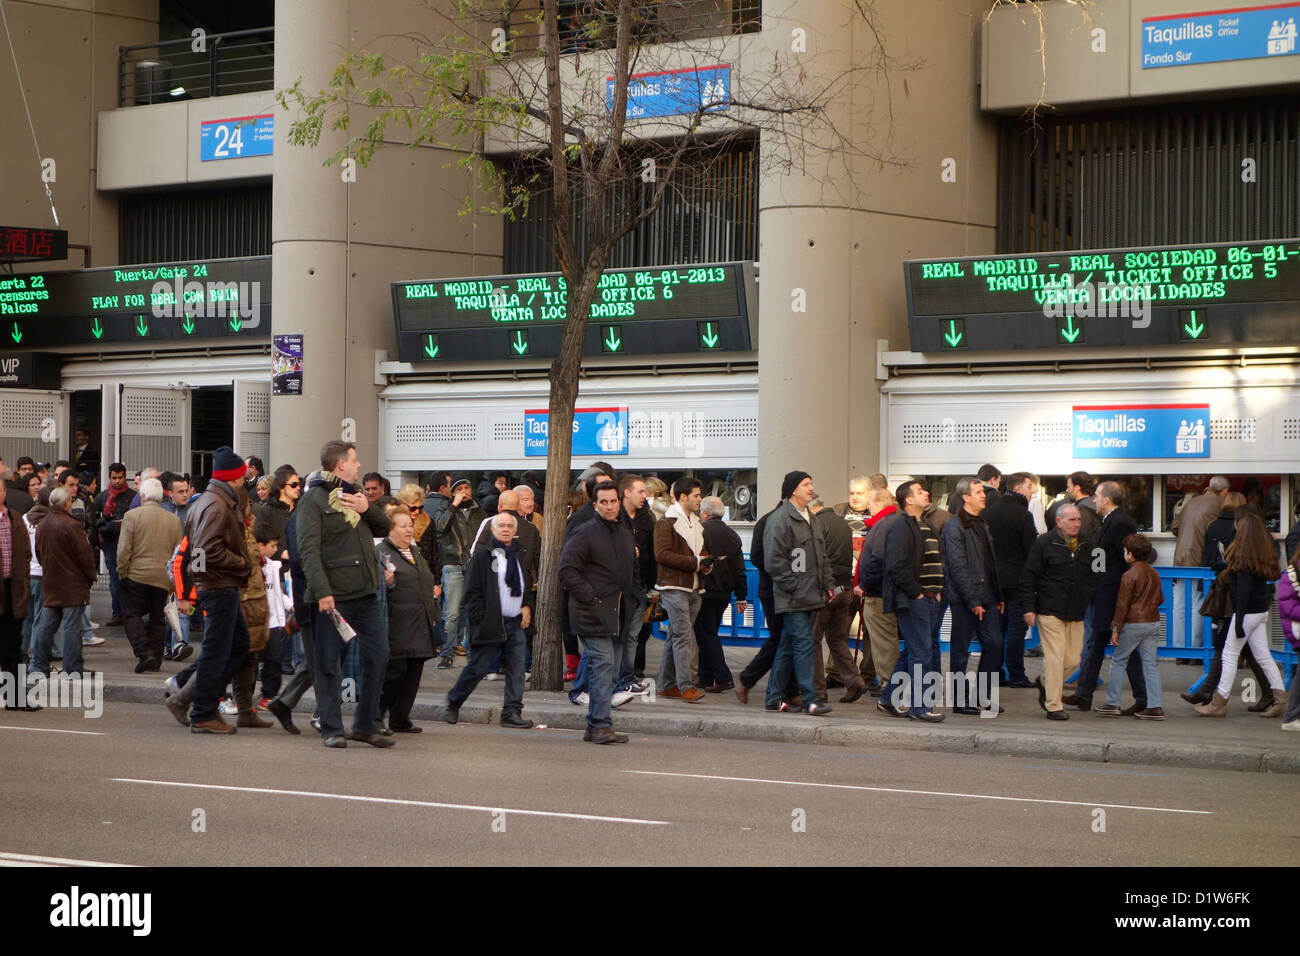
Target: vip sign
1141	431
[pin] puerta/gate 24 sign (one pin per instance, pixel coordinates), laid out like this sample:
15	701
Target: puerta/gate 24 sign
1141	431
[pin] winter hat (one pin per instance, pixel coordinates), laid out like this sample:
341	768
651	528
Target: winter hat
226	465
791	482
457	481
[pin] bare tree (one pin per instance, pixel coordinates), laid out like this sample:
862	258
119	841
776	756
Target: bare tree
513	76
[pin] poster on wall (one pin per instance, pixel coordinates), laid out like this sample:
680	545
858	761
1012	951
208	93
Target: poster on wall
286	365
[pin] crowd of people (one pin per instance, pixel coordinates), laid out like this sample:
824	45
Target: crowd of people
282	574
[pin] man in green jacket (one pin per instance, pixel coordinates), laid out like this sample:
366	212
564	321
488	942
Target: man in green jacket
337	526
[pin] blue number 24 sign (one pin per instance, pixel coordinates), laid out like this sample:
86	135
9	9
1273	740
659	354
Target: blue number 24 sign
237	137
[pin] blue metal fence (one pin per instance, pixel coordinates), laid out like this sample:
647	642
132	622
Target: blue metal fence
1179	639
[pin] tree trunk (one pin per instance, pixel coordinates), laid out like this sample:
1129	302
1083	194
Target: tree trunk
548	646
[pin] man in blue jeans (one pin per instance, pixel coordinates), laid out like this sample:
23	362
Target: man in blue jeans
456	528
909	590
794	550
497	606
112	504
597	569
337	525
219	565
64	553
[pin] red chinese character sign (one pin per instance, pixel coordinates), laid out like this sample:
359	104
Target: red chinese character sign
21	244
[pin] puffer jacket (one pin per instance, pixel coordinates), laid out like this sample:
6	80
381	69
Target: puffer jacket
968	578
215	527
794	551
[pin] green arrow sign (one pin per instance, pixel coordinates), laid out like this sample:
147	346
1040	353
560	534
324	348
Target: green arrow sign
235	323
141	326
1070	333
519	342
17	333
708	338
1195	327
610	341
431	346
96	329
954	335
188	326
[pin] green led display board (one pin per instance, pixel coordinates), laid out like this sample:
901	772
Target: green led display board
1219	294
138	303
656	310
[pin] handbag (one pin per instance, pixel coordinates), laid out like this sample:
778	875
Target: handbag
1217	605
654	612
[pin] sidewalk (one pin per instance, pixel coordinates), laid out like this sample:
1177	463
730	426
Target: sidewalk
1243	741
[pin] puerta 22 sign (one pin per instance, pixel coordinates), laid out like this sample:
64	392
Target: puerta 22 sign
596	431
1220	294
650	311
1141	431
139	303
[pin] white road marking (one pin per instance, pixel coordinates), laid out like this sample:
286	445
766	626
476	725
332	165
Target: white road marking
396	802
51	730
924	793
26	859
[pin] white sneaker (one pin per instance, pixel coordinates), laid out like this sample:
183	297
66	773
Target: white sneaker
582	700
495	676
170	687
93	641
1292	725
229	707
621	698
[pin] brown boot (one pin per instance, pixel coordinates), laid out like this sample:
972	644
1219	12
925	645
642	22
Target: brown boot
242	684
214	726
1279	704
1217	707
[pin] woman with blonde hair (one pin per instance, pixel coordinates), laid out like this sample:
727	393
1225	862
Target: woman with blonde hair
410	499
656	493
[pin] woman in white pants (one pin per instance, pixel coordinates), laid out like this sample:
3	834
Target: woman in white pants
1252	564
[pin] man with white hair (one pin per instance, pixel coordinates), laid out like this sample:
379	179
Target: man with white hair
149	471
65	557
149	536
498	606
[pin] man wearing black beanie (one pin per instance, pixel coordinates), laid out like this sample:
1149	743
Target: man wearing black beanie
794	551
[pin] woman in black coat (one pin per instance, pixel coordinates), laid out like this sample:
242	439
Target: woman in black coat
412	616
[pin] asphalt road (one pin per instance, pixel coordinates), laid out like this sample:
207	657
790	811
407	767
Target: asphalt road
125	789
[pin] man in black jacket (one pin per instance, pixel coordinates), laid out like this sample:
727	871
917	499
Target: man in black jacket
831	623
1116	525
727	577
638	518
974	594
903	594
112	504
598	570
1057	586
336	529
497	606
761	663
1013	533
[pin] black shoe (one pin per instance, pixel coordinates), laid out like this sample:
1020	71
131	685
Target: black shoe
833	681
853	694
967	711
451	713
167	653
605	735
285	716
143	664
385	731
114	621
375	740
1042	693
1074	700
408	729
1019	684
514	720
181	652
1057	715
335	742
1034	652
444	664
930	717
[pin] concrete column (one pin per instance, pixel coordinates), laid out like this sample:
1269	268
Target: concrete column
309	266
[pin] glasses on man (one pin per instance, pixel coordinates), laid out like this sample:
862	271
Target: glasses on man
293	484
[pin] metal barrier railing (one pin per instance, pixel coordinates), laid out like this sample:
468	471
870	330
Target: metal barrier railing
242	61
752	631
587	25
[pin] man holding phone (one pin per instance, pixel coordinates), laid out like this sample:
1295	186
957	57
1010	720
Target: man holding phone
680	555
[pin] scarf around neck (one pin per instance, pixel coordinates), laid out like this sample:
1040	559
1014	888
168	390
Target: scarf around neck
511	555
337	487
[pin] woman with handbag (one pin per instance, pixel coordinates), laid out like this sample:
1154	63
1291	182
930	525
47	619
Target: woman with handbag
1288	609
1252	564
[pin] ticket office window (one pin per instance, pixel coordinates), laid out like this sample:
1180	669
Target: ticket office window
1262	491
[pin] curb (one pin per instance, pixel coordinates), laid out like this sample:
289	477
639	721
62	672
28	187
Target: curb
796	728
